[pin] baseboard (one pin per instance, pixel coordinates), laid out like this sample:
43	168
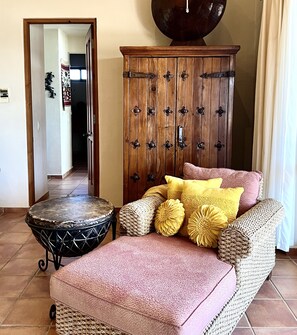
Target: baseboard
58	176
44	197
15	210
292	252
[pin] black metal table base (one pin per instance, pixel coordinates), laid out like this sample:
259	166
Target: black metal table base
52	312
43	265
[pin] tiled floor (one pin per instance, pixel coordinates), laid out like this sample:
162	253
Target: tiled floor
76	183
24	289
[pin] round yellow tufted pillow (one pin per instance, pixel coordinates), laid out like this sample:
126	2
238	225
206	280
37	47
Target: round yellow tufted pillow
205	225
169	217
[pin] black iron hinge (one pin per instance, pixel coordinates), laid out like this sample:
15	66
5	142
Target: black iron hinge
130	74
225	74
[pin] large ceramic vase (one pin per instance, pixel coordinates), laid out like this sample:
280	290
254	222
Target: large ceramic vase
187	21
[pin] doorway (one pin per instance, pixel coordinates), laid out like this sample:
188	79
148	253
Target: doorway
92	104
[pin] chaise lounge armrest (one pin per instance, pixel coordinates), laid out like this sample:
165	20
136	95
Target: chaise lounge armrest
240	238
248	243
136	218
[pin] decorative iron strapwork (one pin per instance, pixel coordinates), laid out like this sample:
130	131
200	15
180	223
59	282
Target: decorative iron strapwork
167	145
136	144
220	111
168	111
219	145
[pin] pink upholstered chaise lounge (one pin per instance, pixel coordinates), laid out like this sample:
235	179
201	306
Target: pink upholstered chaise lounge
148	284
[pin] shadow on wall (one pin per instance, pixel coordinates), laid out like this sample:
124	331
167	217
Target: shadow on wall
242	136
148	22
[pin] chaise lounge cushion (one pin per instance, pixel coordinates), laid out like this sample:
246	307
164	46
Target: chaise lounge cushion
249	180
147	285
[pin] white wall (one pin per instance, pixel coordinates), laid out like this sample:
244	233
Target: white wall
53	105
38	110
59	148
126	22
65	113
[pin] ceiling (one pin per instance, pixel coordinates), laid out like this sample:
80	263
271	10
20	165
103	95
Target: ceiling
70	29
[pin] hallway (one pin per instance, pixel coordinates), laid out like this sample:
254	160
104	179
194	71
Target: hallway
74	184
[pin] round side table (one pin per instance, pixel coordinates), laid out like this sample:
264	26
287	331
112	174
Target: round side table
70	226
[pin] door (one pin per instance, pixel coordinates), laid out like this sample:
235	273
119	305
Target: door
92	105
202	112
93	101
149	123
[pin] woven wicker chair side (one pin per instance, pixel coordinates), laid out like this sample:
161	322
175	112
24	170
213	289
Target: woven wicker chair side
249	245
136	218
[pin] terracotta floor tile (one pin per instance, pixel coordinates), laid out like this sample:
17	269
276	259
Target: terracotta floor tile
14	238
20	227
270	313
23	330
30	312
9	250
19	267
50	270
3	262
242	331
5	225
275	331
13	286
30	250
11	218
38	287
31	239
293	306
58	193
6	306
285	268
267	291
243	322
52	331
286	286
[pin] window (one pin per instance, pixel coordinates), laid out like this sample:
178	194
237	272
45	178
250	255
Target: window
78	74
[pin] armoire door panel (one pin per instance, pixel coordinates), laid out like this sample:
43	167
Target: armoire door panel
132	132
185	113
206	102
152	126
198	141
226	102
178	108
214	105
166	121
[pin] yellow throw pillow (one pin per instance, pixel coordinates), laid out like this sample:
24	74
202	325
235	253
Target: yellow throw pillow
158	191
176	185
169	217
205	225
227	199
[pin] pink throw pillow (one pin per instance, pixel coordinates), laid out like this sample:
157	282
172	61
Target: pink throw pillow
249	180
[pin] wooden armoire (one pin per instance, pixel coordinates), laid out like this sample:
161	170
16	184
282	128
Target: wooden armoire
178	107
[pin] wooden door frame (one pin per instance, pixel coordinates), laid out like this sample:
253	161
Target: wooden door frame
28	95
